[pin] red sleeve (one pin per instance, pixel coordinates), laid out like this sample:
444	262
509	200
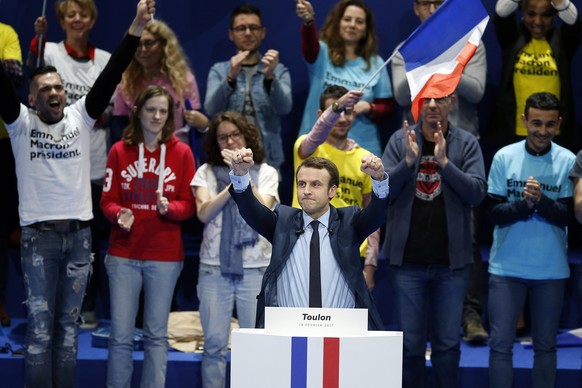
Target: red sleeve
184	205
382	109
309	42
34	46
110	200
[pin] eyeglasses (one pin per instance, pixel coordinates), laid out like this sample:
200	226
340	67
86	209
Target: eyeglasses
148	43
242	28
428	3
438	101
235	136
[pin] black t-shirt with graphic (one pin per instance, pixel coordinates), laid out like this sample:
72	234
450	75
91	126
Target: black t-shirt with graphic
428	237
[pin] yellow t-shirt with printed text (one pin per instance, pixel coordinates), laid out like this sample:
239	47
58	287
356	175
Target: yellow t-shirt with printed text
354	183
535	70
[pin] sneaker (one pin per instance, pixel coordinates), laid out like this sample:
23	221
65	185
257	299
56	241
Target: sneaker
89	320
474	332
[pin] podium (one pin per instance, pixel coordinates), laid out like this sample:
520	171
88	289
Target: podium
315	348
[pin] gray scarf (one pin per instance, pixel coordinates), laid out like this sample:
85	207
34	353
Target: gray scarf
235	233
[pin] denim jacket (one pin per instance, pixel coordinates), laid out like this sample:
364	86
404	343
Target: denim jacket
220	96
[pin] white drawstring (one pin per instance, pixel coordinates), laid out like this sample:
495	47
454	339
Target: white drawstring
162	173
140	162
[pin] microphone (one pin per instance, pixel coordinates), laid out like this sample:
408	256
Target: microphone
299	232
330	231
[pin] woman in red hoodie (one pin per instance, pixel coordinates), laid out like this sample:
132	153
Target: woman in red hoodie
145	196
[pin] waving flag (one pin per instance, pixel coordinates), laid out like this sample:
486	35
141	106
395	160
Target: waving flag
436	53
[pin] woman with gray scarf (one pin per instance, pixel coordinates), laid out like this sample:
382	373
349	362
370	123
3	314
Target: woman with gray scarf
233	257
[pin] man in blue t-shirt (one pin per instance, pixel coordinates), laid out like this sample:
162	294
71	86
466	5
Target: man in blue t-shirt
530	203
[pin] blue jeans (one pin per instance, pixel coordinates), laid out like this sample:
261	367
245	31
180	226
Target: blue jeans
430	297
56	266
126	279
218	295
506	301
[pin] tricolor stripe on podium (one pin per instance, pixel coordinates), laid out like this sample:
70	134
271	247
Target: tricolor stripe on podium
315	362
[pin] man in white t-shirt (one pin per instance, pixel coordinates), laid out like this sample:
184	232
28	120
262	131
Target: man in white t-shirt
51	145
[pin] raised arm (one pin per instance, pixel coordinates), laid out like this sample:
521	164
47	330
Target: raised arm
472	83
309	39
37	44
100	94
325	123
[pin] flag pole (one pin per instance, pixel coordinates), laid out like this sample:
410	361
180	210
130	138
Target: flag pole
40	37
378	71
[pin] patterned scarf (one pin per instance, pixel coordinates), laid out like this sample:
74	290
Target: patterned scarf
235	233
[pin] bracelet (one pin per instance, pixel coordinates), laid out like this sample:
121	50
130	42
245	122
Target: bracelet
567	2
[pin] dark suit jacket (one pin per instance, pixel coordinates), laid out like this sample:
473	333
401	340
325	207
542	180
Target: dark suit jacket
351	226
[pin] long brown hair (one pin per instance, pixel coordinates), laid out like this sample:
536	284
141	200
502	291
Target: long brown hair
329	33
249	131
133	133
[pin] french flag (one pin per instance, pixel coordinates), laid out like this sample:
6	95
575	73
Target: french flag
436	53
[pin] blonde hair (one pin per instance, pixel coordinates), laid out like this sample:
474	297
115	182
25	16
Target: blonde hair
174	64
367	47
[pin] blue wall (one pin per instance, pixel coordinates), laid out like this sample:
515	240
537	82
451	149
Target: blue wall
202	28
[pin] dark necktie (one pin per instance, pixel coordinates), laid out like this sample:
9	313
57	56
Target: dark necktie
314	267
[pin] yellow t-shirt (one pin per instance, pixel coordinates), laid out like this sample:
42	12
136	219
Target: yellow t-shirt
9	49
9	44
535	70
354	184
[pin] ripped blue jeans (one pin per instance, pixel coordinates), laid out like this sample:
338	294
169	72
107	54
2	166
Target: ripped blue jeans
56	269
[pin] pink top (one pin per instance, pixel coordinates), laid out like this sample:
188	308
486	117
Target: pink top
122	106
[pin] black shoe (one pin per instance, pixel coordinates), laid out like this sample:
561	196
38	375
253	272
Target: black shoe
474	332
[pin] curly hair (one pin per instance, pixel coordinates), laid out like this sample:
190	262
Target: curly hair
329	33
174	64
85	5
248	130
133	133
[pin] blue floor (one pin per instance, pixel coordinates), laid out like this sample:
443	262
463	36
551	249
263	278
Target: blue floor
184	368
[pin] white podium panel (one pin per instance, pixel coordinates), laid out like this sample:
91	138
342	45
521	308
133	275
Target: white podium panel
263	360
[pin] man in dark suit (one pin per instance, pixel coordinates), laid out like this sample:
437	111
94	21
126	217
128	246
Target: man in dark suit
286	282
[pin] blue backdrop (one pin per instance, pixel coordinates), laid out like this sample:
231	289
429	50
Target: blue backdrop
202	29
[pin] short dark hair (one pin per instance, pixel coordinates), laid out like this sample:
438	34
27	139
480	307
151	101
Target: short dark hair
322	164
42	71
248	130
542	101
333	91
245	9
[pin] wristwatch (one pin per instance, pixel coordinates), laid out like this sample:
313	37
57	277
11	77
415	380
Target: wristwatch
336	107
